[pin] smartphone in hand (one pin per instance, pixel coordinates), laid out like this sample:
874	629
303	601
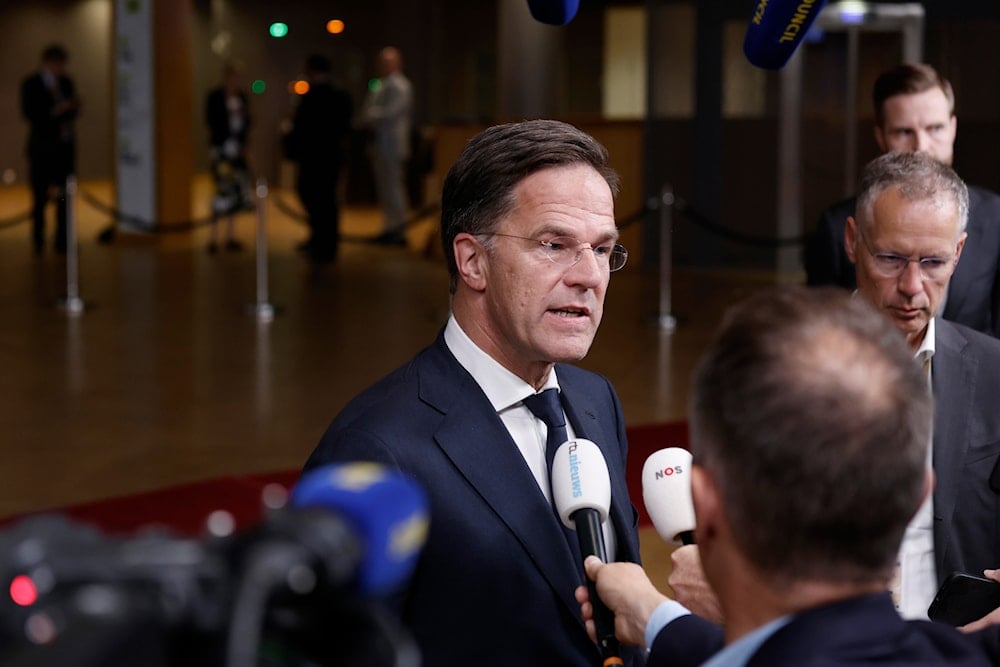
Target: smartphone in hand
964	598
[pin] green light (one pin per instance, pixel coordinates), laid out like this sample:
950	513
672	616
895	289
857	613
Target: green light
374	84
258	87
278	29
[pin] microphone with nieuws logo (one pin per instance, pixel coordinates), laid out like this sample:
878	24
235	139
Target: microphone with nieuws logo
666	490
581	490
776	29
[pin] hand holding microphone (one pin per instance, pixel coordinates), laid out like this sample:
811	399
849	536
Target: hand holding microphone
581	490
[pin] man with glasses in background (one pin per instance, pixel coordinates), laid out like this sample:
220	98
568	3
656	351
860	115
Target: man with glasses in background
905	241
528	228
915	111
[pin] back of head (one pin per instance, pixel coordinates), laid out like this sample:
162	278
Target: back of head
918	177
907	79
478	190
317	63
814	419
55	54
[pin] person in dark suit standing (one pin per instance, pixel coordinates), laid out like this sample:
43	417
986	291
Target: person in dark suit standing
810	427
50	105
316	141
915	111
529	235
227	114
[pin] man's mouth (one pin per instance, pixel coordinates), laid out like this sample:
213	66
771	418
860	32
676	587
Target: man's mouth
569	312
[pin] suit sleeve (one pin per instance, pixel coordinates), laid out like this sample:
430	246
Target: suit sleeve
685	642
823	251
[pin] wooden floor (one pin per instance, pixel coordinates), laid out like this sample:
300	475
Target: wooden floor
168	377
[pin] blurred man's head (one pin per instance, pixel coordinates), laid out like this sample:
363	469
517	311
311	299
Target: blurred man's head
915	111
390	60
810	427
54	58
907	237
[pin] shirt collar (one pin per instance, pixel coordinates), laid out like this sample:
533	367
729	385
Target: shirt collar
502	388
740	651
926	350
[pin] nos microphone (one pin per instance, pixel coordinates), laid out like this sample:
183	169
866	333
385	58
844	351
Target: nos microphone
553	12
666	490
776	29
581	490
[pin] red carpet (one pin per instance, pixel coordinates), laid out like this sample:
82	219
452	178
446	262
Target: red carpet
183	508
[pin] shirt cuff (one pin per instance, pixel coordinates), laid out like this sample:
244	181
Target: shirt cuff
663	615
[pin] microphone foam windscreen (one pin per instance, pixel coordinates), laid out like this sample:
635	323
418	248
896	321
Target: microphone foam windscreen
580	480
386	510
666	490
776	29
553	12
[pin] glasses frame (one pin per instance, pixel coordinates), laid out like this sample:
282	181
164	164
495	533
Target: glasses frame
617	249
922	262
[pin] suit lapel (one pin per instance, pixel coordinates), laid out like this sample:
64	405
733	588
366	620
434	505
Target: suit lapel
583	412
953	377
480	447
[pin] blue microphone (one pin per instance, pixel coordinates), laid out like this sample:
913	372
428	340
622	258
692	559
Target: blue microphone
553	12
384	509
776	29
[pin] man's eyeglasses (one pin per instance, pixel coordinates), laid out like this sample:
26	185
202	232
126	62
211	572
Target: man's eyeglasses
891	265
567	251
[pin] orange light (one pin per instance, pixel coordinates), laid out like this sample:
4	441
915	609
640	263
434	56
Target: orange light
335	26
300	87
23	590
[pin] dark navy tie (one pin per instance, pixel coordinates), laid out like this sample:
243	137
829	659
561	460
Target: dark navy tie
547	407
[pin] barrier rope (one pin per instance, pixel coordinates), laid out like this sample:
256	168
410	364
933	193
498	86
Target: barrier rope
296	214
703	221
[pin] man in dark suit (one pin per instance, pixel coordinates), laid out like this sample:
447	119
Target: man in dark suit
50	104
915	111
316	142
810	432
528	229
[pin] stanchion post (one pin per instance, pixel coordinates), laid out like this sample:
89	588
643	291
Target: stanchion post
72	304
263	309
666	321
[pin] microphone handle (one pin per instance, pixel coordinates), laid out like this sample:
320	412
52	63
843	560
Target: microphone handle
591	538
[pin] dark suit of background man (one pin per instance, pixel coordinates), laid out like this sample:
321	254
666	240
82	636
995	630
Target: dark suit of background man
810	426
915	111
316	142
49	103
528	228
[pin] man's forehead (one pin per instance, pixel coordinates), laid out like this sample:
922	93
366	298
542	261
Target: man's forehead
902	104
893	207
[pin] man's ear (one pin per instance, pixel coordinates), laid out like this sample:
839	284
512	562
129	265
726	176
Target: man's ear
851	238
960	246
880	138
707	506
470	258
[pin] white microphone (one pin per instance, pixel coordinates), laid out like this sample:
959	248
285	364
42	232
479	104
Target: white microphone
666	490
581	491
